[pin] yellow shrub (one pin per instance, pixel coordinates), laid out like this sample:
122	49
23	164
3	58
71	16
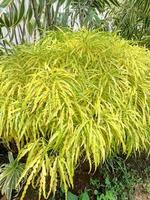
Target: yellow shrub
70	95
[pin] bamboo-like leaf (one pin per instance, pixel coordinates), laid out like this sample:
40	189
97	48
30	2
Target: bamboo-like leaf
6	21
5	3
21	13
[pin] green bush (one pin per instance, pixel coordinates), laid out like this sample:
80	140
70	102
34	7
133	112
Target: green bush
73	96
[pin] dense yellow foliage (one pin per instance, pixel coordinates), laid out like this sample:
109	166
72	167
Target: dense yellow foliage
70	95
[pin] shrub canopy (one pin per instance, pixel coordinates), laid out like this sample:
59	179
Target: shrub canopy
70	96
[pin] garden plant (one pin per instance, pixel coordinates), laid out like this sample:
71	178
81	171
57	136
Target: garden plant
72	97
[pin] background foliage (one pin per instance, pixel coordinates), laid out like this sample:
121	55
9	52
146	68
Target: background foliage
133	21
24	21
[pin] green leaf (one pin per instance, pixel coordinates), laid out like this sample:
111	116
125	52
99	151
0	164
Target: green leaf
41	7
15	13
29	13
71	196
21	12
2	23
61	2
5	3
6	21
10	157
30	27
115	2
84	196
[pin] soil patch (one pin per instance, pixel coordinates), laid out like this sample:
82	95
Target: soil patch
140	193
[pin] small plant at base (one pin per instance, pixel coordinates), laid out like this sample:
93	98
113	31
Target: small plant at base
117	183
147	187
9	176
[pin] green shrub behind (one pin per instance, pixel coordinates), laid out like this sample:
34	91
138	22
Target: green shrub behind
74	95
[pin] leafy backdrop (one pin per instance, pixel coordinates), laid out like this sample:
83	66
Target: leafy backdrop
24	21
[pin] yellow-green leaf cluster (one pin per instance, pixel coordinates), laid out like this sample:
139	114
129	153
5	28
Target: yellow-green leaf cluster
72	96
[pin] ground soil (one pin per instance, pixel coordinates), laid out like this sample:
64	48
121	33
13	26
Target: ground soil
140	193
82	179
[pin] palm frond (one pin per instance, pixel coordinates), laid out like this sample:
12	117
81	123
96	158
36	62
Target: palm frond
143	3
